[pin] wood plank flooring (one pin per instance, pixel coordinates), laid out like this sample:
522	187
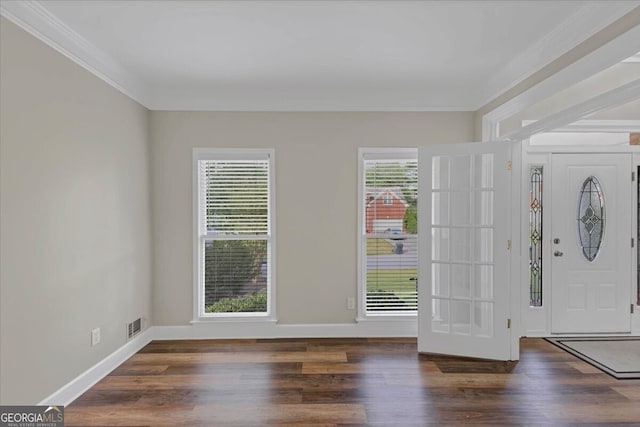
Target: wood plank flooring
348	382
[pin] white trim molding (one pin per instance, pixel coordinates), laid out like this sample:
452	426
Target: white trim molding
383	328
226	330
267	330
33	17
83	382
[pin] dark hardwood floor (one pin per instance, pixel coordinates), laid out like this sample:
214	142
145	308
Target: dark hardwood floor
344	382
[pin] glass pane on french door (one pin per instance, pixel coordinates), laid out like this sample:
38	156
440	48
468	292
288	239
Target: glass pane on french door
462	233
466	259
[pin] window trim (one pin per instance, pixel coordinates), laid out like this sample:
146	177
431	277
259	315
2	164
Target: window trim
230	154
369	153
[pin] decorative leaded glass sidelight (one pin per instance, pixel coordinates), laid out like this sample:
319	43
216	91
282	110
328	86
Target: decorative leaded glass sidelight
535	236
591	218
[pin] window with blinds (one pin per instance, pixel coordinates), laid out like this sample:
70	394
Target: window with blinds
234	232
389	189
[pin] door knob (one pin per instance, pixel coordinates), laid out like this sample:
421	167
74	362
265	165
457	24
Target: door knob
557	253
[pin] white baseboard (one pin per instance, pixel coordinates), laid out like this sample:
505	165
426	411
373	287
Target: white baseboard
247	329
83	382
563	335
226	330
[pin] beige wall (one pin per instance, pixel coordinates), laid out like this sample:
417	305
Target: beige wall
78	212
74	217
316	198
75	213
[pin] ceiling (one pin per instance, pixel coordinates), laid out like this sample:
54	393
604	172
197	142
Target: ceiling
314	55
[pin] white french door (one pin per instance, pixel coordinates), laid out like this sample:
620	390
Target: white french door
464	222
591	243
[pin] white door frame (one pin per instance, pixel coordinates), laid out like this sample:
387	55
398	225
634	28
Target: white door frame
536	321
529	321
521	313
613	52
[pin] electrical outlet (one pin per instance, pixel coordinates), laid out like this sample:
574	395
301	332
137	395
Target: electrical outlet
351	303
95	336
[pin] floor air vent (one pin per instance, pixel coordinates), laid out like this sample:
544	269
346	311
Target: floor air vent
134	328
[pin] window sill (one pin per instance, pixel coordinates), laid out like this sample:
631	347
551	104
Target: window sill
388	318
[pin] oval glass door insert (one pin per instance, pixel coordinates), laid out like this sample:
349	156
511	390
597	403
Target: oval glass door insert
591	218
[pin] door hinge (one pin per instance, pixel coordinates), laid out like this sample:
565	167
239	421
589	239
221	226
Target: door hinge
633	176
509	165
508	245
632	306
633	242
508	323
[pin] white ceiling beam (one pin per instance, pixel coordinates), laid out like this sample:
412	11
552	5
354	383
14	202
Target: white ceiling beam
619	96
612	53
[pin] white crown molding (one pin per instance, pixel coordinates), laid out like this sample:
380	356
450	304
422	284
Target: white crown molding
169	104
591	18
33	17
208	100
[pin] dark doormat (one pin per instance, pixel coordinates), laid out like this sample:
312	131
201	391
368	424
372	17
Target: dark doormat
617	356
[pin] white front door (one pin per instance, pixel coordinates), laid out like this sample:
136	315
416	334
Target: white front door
463	227
591	243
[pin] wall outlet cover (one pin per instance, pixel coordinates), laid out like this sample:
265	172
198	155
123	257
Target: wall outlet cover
351	303
95	336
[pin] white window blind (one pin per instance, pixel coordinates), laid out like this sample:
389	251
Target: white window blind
236	197
389	227
234	222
